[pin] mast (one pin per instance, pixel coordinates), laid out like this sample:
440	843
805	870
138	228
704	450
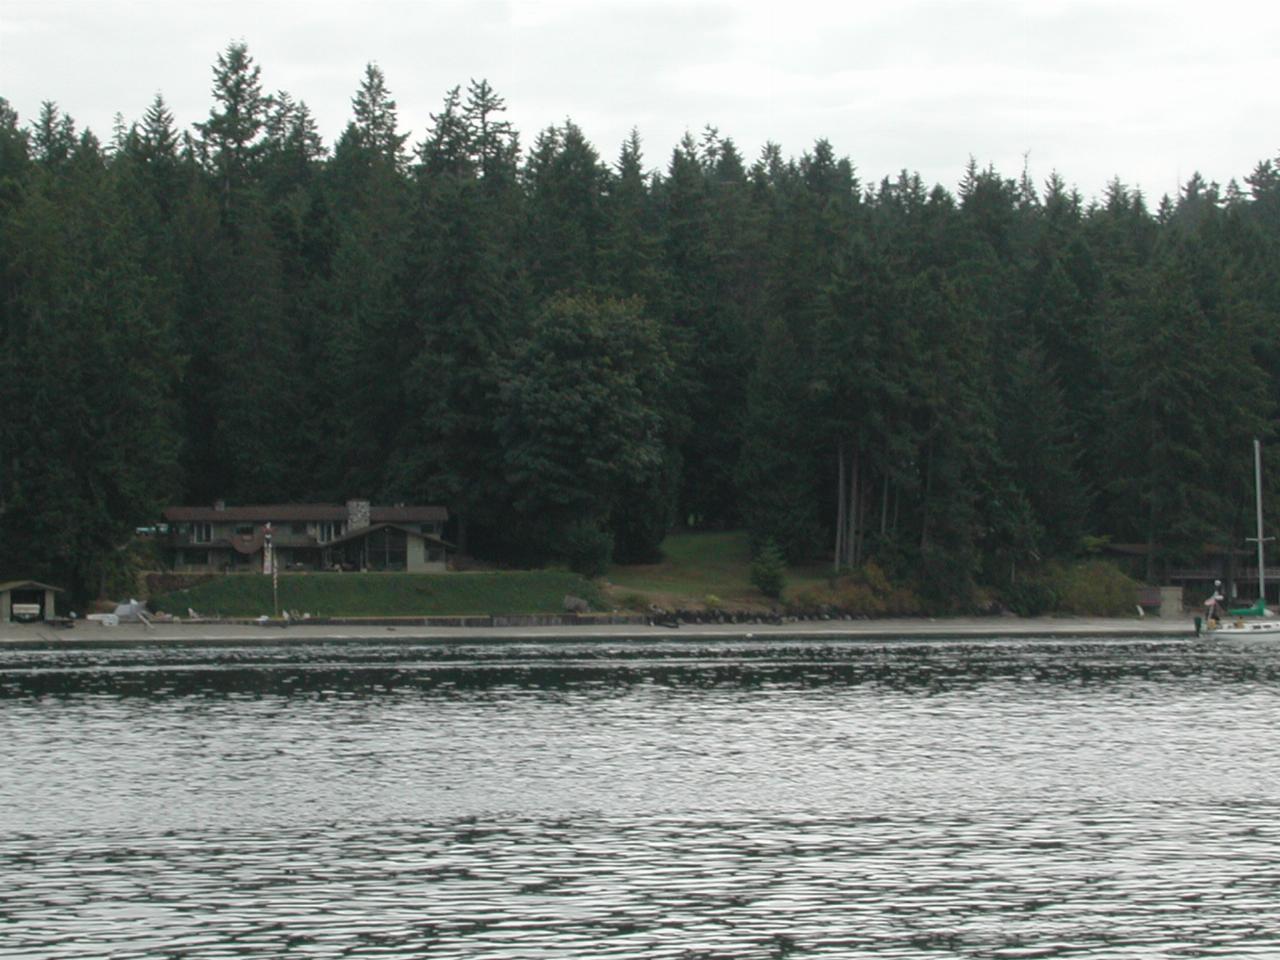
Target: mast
1257	486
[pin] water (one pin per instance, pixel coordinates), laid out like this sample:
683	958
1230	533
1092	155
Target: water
681	800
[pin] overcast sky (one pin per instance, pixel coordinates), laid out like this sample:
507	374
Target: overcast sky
1147	90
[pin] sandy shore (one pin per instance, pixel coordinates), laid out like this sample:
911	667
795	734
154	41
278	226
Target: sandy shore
192	632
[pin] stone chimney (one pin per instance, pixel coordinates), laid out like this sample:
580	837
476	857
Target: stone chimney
219	504
357	514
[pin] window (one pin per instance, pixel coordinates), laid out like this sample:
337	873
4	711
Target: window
330	529
387	549
300	529
244	529
201	532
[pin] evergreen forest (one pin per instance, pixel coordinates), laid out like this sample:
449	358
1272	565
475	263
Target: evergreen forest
578	353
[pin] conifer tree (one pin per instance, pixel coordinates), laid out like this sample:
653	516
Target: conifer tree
565	182
491	137
630	253
463	302
779	464
78	309
53	139
375	124
15	149
954	385
230	140
241	385
362	315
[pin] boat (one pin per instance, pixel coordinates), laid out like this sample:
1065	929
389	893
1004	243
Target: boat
1255	620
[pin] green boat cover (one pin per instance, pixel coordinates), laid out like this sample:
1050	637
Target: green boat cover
1259	609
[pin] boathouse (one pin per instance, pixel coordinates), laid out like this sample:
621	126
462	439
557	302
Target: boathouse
27	601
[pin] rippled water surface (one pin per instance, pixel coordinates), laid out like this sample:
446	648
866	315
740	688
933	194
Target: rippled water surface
682	800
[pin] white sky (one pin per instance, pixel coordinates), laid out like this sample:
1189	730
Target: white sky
1147	90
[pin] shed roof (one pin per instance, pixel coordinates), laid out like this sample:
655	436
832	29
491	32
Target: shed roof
27	585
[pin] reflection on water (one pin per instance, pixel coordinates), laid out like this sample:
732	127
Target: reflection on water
729	800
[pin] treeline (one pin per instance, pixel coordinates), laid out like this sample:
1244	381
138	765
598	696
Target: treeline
574	355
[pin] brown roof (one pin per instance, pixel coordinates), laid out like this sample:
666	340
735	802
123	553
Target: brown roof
299	512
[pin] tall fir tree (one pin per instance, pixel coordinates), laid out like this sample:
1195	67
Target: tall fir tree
89	449
242	388
463	303
566	184
362	316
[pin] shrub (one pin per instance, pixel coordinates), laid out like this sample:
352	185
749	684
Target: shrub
1089	588
903	602
946	578
123	571
1092	588
808	600
864	592
875	578
769	570
587	549
1030	597
869	592
851	596
633	601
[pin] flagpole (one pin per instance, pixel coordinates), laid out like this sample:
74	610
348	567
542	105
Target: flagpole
269	560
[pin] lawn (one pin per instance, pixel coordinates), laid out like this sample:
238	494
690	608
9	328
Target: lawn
698	565
384	594
695	566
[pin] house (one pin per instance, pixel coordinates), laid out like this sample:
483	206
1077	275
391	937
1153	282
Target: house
316	536
1235	567
26	601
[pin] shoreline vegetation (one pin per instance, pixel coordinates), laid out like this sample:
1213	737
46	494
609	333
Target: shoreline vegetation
953	393
702	578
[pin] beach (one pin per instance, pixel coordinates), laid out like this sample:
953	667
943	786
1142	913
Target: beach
272	633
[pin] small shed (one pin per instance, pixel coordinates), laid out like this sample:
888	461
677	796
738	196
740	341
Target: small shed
26	600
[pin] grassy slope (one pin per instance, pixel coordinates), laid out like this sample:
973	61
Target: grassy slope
697	564
384	594
694	566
